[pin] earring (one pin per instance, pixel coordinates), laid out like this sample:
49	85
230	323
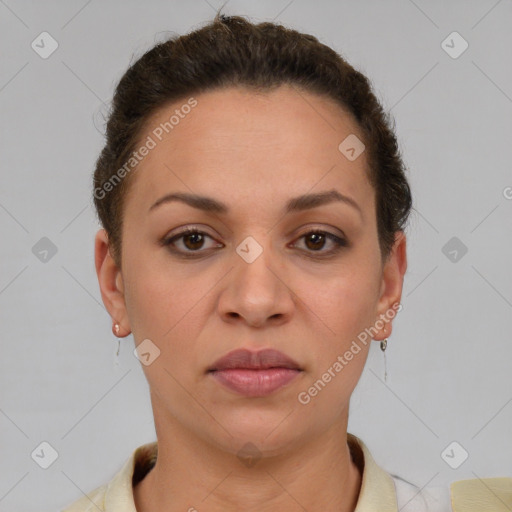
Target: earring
115	330
383	346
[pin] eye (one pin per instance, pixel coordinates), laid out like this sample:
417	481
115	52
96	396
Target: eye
190	238
315	240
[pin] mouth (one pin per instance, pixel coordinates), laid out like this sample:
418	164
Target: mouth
255	374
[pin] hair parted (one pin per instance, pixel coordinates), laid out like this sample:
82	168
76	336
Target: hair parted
231	51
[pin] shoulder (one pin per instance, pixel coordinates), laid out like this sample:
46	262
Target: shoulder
481	494
473	495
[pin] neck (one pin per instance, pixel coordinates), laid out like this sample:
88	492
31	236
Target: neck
193	475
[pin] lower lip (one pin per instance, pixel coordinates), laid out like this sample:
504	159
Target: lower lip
255	383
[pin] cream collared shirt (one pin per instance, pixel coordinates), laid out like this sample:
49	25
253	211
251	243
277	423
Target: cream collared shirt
380	492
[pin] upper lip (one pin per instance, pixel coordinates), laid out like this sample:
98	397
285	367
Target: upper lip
261	360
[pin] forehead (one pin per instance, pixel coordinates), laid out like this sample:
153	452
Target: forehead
237	143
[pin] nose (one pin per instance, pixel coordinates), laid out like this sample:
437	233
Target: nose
257	293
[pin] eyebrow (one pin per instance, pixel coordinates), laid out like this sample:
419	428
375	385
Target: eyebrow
300	203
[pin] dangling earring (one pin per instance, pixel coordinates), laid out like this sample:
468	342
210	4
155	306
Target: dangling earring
116	330
383	346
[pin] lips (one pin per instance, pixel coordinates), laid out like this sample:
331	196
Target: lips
254	374
261	360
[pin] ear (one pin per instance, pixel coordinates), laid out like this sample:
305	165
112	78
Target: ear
111	283
392	282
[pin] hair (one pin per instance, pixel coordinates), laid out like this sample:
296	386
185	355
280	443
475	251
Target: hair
231	51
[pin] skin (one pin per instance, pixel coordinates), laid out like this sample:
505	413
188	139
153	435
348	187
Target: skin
253	152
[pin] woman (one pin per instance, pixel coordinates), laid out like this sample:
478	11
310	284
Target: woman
253	201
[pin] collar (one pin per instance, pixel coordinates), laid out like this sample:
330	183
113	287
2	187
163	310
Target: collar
377	492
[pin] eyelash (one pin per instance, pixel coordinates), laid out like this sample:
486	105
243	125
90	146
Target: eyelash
340	243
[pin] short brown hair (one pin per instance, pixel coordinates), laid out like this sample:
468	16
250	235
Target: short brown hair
231	51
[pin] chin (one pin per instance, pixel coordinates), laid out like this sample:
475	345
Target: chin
270	432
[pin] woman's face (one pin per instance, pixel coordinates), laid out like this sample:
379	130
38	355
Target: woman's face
255	277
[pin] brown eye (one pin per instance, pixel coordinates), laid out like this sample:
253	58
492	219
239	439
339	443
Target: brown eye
315	241
188	242
193	240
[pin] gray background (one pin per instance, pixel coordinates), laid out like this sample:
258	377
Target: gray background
450	352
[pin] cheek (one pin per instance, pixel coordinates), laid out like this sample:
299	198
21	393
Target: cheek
341	310
159	299
342	303
163	308
168	308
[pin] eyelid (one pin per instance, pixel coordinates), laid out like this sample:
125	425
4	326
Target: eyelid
192	229
303	230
